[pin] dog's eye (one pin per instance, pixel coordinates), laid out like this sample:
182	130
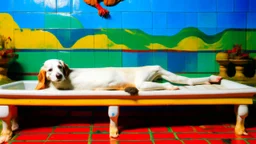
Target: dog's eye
60	67
50	69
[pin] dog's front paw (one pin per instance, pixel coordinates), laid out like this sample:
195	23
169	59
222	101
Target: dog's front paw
113	132
5	136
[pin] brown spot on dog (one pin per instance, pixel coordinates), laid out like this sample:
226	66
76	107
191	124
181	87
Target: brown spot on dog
132	90
42	80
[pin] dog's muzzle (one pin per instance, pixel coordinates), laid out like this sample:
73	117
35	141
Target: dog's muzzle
59	76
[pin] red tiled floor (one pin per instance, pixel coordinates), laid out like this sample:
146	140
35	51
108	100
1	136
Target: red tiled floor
159	129
86	127
209	135
252	141
182	129
135	142
214	128
163	136
168	142
72	129
100	137
104	129
103	142
238	142
28	142
32	136
251	129
253	134
66	142
100	129
230	141
134	137
135	130
69	137
121	142
219	141
37	130
195	142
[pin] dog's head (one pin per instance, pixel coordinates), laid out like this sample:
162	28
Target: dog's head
53	70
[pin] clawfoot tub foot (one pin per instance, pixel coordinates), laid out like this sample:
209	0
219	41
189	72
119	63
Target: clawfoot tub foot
14	116
8	114
113	113
113	132
5	136
241	113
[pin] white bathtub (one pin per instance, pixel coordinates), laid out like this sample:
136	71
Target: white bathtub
226	93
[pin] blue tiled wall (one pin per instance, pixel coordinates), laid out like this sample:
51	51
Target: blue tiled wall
154	17
139	14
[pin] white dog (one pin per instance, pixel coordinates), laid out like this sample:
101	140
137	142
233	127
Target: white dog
55	74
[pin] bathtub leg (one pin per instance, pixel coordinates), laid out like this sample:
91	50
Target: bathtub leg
14	112
113	113
241	113
6	116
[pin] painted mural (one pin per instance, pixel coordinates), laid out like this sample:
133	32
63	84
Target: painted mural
136	32
187	39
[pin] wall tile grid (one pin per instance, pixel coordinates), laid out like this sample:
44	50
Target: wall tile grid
70	20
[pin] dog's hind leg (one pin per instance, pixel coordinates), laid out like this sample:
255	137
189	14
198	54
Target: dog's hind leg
113	113
147	86
145	77
171	77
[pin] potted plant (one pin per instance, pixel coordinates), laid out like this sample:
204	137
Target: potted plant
7	55
235	56
237	53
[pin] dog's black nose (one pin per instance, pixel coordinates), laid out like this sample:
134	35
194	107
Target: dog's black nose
59	76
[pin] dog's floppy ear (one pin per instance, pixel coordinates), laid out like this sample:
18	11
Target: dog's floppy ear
42	82
66	69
